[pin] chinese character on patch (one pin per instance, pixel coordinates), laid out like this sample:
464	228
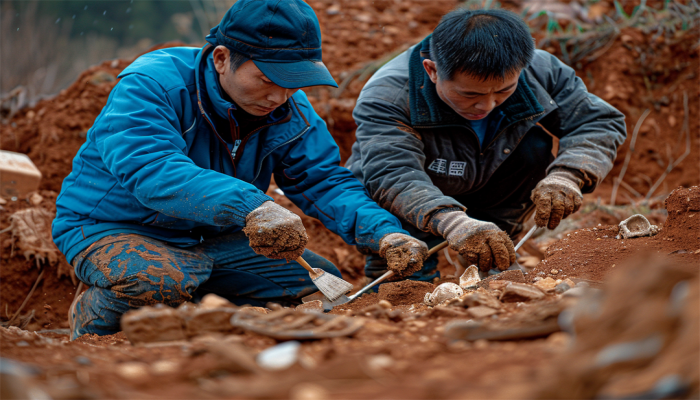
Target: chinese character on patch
457	168
438	166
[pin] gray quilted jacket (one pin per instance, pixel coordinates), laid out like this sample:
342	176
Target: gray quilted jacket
407	138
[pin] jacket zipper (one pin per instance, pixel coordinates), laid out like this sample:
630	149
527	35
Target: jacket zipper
508	126
204	114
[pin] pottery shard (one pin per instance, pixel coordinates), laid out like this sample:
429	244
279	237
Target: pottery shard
208	320
481	298
470	278
442	293
481	311
520	292
213	301
546	285
150	324
259	310
315	305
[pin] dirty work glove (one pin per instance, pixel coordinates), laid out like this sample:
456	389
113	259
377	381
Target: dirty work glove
404	254
275	232
481	243
556	197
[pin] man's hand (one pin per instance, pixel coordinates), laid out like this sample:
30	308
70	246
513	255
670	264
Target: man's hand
404	254
556	197
276	232
480	243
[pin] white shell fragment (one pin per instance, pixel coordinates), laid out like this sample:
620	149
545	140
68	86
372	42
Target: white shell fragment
470	278
445	291
637	226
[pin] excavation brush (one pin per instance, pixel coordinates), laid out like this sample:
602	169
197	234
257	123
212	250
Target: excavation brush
330	285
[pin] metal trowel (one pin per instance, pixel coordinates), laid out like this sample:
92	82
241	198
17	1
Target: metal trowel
515	266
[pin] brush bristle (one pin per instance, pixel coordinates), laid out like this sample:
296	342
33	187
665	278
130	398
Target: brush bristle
331	286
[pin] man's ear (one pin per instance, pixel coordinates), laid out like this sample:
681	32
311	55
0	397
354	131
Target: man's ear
222	57
431	69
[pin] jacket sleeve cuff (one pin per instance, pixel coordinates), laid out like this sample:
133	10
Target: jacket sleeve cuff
367	245
253	201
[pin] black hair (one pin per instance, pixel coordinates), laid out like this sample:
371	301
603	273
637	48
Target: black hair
482	43
237	59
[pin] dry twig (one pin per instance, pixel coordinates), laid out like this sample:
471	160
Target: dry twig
685	131
24	303
617	180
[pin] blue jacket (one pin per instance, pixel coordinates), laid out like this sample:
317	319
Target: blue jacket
153	164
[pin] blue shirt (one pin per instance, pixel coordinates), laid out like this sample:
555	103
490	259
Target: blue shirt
480	127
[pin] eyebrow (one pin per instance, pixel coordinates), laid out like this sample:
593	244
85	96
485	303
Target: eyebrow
481	94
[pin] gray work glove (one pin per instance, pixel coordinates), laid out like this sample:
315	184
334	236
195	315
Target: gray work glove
556	197
275	232
480	243
404	254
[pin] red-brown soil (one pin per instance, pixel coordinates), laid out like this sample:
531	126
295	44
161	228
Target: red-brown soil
404	358
593	252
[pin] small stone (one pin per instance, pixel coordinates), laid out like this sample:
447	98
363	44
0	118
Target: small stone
553	272
546	285
481	344
82	360
315	305
22	343
279	357
165	367
385	304
213	301
309	391
516	292
133	370
2	201
380	361
35	199
210	320
259	310
562	287
559	339
150	324
443	292
529	262
481	298
578	291
481	311
470	278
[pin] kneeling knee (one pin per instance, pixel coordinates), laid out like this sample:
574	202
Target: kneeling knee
141	290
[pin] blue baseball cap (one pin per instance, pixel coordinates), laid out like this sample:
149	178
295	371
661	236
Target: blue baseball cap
282	38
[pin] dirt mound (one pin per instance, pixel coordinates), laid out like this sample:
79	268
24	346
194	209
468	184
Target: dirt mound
639	340
683	223
591	253
404	293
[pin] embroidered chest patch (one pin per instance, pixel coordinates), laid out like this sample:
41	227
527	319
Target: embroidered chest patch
439	166
457	168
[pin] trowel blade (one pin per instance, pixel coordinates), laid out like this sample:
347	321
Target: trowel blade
513	267
327	304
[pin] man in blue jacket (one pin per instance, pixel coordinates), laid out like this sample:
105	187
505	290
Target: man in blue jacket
178	162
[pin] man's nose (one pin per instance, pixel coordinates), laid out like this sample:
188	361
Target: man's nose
487	104
278	96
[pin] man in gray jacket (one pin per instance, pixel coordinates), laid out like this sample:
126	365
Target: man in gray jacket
454	137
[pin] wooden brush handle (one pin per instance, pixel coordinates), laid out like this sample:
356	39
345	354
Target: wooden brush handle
437	248
305	265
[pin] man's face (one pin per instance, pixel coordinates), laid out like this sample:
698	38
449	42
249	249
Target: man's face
248	87
471	97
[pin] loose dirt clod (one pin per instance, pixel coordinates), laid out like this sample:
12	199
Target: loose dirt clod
404	292
520	292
